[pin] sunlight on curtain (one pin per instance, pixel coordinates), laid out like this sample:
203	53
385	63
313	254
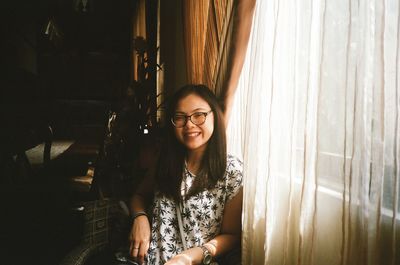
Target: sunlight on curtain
316	121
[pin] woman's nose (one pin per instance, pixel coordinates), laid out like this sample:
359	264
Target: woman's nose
189	123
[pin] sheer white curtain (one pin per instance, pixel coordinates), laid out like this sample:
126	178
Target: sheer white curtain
316	122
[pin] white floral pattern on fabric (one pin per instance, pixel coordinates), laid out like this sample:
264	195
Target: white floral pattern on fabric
201	215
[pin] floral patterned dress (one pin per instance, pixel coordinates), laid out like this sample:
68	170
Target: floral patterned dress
201	215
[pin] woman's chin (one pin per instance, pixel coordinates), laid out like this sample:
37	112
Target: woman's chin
195	147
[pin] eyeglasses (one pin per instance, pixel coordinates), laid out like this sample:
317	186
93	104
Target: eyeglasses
197	118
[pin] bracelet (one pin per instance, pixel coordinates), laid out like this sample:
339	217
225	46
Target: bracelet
207	258
137	214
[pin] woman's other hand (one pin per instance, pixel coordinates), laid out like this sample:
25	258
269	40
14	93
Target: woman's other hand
187	257
180	259
140	238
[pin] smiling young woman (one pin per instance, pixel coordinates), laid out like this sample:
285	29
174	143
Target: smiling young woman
195	188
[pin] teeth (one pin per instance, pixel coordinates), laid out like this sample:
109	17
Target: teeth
193	134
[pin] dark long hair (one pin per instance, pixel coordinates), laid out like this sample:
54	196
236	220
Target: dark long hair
172	158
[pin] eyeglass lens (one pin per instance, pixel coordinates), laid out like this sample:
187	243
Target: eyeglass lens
197	118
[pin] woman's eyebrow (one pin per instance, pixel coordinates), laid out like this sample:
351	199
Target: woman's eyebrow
193	111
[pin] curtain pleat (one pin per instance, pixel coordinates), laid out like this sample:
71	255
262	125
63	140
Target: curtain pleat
206	23
195	17
316	122
225	29
396	150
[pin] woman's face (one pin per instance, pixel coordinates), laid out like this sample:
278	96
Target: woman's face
194	137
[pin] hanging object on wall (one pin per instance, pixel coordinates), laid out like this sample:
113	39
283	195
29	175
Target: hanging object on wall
54	33
83	6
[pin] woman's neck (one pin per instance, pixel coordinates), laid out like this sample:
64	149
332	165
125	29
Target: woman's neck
193	161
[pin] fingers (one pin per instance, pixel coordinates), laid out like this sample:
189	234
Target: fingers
133	250
139	251
142	251
140	238
180	259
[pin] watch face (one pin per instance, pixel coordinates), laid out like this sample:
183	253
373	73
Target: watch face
207	259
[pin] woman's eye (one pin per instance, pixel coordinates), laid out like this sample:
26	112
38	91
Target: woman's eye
198	115
179	118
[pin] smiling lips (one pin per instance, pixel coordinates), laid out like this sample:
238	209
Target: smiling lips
191	134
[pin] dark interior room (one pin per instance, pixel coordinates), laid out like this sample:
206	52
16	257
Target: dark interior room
80	110
187	132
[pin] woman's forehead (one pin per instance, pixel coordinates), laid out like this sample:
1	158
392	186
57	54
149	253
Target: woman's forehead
191	102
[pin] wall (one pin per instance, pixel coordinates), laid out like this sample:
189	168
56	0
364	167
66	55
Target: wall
171	42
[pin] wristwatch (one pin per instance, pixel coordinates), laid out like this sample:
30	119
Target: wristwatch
207	258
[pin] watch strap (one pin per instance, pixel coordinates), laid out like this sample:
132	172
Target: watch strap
207	258
137	214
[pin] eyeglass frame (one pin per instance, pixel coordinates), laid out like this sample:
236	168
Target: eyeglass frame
189	117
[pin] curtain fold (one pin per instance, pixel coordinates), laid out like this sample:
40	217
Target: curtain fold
195	17
315	120
206	34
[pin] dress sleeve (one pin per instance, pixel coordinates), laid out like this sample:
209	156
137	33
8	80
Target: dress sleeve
234	177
